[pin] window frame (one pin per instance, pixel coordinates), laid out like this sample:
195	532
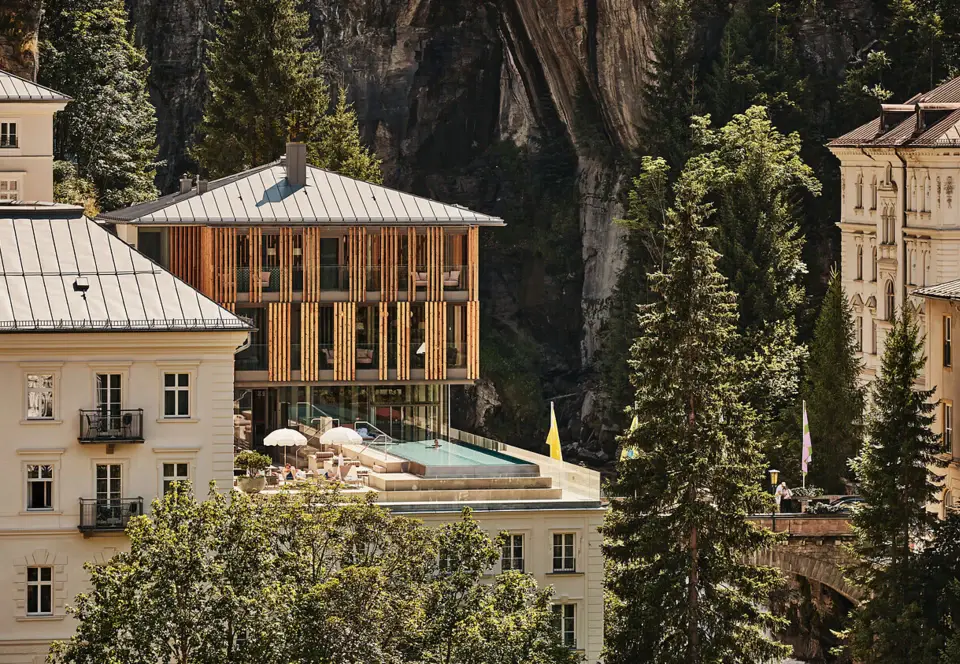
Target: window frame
177	389
873	268
858	326
510	545
7	176
947	414
564	568
54	373
889	299
189	367
947	341
51	481
859	262
39	584
559	610
164	478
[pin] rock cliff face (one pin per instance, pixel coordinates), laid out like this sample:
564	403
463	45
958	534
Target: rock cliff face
19	23
437	84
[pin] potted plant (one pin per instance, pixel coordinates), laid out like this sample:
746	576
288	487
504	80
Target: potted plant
253	463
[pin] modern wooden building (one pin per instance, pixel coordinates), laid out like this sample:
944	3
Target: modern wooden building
365	299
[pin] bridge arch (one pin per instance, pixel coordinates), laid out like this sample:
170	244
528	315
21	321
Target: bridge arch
791	559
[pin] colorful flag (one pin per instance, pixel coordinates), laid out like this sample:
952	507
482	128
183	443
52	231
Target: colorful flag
553	437
806	456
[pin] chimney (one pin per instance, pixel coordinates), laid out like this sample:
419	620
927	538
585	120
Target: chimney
185	185
296	164
202	186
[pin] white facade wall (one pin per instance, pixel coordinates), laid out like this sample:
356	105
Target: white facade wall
922	186
31	162
204	441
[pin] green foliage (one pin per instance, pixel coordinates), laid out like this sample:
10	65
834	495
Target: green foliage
70	188
309	577
677	536
897	480
109	129
251	461
267	88
832	390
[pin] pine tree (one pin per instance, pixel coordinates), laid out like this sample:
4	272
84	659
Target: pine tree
109	130
897	481
677	538
832	389
265	86
339	149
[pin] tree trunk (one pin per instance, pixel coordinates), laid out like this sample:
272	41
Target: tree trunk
693	597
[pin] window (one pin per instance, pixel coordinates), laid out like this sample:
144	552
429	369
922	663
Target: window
174	472
447	563
39	591
873	193
565	620
9	189
860	192
176	395
512	557
873	337
563	558
873	268
39	487
891	300
109	398
947	341
8	135
860	334
40	396
109	486
948	427
859	263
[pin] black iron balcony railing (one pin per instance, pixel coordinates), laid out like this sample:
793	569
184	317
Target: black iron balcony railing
111	426
108	513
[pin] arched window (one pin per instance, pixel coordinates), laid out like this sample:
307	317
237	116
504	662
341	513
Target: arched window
859	262
889	222
891	299
860	191
873	268
912	202
910	266
923	268
860	334
873	193
926	194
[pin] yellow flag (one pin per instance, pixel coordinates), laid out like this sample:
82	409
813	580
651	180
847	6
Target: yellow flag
553	437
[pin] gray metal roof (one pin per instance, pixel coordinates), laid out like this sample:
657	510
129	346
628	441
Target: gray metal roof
44	250
949	290
262	196
15	89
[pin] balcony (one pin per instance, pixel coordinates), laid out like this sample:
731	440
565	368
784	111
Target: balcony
115	426
108	515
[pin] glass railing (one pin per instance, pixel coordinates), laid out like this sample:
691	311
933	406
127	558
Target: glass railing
296	274
325	352
334	277
456	354
270	278
455	277
373	277
253	358
337	278
294	357
243	280
367	356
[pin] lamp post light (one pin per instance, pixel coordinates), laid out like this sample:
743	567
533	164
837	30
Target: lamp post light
774	476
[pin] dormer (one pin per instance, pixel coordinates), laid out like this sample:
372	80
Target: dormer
26	138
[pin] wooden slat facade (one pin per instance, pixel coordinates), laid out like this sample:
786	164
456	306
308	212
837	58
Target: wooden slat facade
311	264
278	341
357	263
310	341
389	254
403	341
224	264
383	341
435	326
285	256
186	255
473	340
434	261
345	341
473	263
411	264
256	264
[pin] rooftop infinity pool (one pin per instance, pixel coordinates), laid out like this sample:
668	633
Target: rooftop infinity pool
458	460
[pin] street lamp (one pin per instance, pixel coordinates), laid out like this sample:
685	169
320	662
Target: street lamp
774	476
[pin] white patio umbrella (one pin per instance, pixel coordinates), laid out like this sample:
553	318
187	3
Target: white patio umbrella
341	436
285	438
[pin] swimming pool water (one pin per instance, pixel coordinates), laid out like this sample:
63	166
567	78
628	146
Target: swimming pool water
450	454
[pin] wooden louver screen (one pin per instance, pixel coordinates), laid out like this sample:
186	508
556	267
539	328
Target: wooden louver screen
185	254
473	262
411	264
403	341
345	341
311	264
436	341
310	341
285	251
435	264
473	340
278	341
389	264
224	264
357	263
383	347
256	264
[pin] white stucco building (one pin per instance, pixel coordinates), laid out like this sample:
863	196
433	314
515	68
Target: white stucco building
900	225
117	378
26	138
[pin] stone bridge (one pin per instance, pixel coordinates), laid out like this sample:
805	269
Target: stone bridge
814	549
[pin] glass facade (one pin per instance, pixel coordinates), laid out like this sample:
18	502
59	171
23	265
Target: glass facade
402	412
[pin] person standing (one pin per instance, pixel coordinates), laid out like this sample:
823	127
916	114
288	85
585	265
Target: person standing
782	493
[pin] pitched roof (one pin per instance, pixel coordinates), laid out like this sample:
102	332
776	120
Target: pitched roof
925	120
949	290
45	250
262	196
16	89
